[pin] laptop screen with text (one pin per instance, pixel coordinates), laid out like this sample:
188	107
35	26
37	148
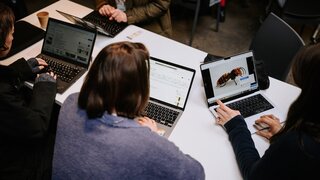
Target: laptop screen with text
170	83
61	43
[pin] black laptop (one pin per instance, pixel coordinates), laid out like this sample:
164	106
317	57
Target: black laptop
98	22
67	48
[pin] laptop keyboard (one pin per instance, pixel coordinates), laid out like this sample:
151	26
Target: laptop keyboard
112	27
63	71
251	105
161	114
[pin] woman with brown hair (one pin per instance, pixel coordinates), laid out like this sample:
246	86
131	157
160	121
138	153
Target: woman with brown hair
295	146
102	133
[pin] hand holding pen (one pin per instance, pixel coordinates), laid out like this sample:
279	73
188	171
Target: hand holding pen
268	125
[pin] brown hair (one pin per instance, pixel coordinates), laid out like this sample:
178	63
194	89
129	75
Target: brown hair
118	81
303	113
6	24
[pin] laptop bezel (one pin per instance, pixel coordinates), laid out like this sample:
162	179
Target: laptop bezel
84	65
190	86
242	94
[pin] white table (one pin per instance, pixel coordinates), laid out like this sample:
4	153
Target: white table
195	133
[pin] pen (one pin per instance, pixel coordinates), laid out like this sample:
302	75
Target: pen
261	126
265	128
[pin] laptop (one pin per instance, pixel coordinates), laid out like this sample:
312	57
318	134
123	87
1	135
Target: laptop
233	80
67	48
98	22
170	86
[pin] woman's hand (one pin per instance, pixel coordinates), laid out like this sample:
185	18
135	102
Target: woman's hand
113	13
272	123
106	10
46	77
147	122
37	64
118	16
225	113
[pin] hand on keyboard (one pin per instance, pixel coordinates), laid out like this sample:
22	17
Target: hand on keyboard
46	69
46	77
150	123
147	122
37	64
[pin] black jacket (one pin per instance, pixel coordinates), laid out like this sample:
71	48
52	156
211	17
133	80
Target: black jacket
24	121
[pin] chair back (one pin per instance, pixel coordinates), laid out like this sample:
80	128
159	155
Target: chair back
276	43
301	12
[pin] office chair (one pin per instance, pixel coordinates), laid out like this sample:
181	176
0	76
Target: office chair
275	44
303	13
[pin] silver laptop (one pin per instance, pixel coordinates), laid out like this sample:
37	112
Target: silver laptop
67	48
170	86
233	80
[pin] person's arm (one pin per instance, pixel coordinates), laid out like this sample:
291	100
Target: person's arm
152	10
242	144
23	119
272	124
27	70
22	69
240	138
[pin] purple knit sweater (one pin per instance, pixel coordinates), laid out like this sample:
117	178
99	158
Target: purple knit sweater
114	147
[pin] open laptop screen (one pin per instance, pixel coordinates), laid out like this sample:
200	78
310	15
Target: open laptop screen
69	42
170	83
229	78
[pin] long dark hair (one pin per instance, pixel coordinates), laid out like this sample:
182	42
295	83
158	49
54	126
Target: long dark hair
6	24
303	114
118	81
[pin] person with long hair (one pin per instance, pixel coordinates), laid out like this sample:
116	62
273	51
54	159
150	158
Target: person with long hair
294	151
25	113
102	133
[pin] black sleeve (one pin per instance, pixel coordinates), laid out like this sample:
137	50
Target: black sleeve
22	69
243	145
27	121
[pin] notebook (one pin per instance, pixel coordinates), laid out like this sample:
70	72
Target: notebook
233	80
67	48
170	86
98	22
